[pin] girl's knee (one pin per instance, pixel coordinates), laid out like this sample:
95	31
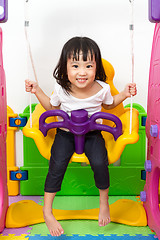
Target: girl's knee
99	165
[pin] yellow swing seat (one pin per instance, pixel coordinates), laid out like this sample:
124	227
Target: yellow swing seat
114	148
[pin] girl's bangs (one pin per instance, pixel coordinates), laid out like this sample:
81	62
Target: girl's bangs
76	52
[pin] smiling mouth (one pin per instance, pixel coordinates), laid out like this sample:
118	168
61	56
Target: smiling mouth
81	80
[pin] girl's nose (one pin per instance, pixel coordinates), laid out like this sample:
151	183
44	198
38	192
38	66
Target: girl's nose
82	71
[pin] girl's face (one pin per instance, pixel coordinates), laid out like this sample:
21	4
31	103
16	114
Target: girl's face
81	73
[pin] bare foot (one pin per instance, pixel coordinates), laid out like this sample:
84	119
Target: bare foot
53	225
104	214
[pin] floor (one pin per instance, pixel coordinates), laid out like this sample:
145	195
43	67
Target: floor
77	229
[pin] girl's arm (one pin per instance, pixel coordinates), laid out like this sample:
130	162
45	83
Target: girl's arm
129	90
44	100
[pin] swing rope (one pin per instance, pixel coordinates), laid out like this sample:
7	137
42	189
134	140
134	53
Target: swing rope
131	28
29	53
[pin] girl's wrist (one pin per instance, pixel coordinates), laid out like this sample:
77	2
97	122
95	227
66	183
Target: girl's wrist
37	90
124	94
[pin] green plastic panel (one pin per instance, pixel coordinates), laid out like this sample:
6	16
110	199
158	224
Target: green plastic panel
79	180
124	179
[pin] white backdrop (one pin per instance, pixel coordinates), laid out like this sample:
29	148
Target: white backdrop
52	23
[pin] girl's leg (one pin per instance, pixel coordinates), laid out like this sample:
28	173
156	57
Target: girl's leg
53	225
104	214
61	152
97	154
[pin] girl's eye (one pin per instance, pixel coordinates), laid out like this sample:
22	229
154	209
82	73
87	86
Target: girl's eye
89	66
75	66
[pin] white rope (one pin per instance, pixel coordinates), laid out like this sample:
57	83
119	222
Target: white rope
29	53
131	27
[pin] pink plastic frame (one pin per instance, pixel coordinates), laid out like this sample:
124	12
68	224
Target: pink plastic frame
3	133
151	203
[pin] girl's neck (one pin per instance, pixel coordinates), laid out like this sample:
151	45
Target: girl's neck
83	93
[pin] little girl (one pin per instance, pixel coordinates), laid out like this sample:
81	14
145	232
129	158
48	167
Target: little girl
80	85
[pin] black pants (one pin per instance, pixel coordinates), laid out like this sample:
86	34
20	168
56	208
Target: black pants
63	149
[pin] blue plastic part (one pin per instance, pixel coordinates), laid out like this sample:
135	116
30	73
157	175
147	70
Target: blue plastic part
97	237
144	121
18	175
143	175
18	122
3	11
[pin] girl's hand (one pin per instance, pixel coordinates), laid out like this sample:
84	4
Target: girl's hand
130	90
31	86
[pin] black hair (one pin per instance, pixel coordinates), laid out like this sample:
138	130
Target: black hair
72	48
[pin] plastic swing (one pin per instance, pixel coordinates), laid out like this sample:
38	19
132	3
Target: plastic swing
114	145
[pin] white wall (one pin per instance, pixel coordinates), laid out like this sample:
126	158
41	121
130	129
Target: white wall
53	22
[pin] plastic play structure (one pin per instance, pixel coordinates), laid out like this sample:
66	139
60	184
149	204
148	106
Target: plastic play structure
132	213
152	165
117	136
